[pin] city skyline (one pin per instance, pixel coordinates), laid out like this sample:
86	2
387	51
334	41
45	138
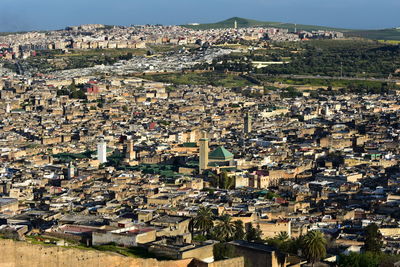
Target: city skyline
199	133
25	15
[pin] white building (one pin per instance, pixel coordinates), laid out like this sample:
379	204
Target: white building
102	151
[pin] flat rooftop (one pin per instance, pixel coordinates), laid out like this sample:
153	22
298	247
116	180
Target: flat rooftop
7	201
252	245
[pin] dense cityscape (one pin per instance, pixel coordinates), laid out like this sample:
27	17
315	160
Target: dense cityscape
172	146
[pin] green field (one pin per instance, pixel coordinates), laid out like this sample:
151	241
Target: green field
206	78
320	82
356	58
53	60
384	34
335	86
134	252
67	157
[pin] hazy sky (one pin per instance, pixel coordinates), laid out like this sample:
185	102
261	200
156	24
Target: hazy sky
16	15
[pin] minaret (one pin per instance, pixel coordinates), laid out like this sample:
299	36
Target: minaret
235	25
130	153
8	108
203	157
247	124
327	111
102	150
71	170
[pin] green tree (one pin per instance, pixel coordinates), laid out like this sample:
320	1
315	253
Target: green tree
199	238
224	181
373	238
314	246
295	245
367	259
77	94
72	86
282	236
253	234
239	231
223	251
204	220
225	229
63	91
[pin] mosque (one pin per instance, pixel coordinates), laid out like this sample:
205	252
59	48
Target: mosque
218	158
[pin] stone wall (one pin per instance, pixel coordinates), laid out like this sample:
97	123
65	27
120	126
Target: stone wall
23	254
234	262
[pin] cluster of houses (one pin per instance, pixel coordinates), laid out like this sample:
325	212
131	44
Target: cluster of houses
129	161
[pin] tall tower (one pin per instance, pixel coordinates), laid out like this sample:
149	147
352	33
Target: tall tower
247	123
130	153
203	157
102	150
8	108
71	170
327	111
235	25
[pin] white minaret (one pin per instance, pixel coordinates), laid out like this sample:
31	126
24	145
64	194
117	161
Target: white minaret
203	157
71	170
235	25
8	108
327	111
102	150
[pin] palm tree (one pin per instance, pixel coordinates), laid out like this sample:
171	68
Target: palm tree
282	241
282	236
314	244
204	220
225	228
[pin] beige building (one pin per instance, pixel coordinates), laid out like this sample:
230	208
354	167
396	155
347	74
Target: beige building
271	229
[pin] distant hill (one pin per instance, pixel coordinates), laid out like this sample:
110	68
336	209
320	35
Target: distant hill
243	23
384	34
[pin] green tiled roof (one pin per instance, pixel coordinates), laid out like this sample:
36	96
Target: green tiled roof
220	153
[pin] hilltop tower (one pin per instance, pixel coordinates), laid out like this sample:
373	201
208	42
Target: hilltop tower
247	124
204	150
102	150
